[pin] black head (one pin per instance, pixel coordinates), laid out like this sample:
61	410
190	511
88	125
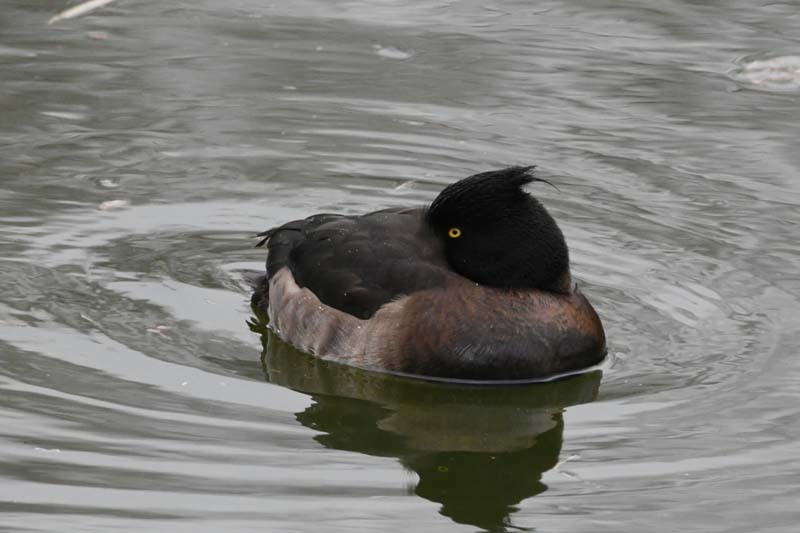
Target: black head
497	234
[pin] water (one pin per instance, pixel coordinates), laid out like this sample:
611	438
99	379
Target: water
142	145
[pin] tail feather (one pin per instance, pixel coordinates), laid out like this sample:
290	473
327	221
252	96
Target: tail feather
265	237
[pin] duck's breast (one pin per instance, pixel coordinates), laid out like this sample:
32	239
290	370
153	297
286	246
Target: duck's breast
478	332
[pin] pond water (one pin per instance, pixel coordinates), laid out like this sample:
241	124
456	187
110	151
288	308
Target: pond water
144	144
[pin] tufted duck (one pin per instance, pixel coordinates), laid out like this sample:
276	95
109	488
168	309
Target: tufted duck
477	286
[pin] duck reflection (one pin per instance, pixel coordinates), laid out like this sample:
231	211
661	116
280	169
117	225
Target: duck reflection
478	450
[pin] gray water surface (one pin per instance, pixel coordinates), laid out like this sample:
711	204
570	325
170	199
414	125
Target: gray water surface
142	145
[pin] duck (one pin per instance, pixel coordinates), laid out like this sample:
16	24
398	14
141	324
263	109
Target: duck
475	286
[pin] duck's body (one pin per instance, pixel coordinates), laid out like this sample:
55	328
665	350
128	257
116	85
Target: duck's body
388	291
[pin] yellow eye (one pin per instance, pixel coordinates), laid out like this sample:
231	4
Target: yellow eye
454	233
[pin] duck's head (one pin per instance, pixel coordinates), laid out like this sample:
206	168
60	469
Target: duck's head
496	234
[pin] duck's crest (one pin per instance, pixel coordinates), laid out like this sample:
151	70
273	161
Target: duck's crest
510	179
482	194
517	176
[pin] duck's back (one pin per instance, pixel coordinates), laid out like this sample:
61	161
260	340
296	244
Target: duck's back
357	264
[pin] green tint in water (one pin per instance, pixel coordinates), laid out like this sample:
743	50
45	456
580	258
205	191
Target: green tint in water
477	451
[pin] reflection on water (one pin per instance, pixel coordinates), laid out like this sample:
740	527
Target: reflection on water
477	451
